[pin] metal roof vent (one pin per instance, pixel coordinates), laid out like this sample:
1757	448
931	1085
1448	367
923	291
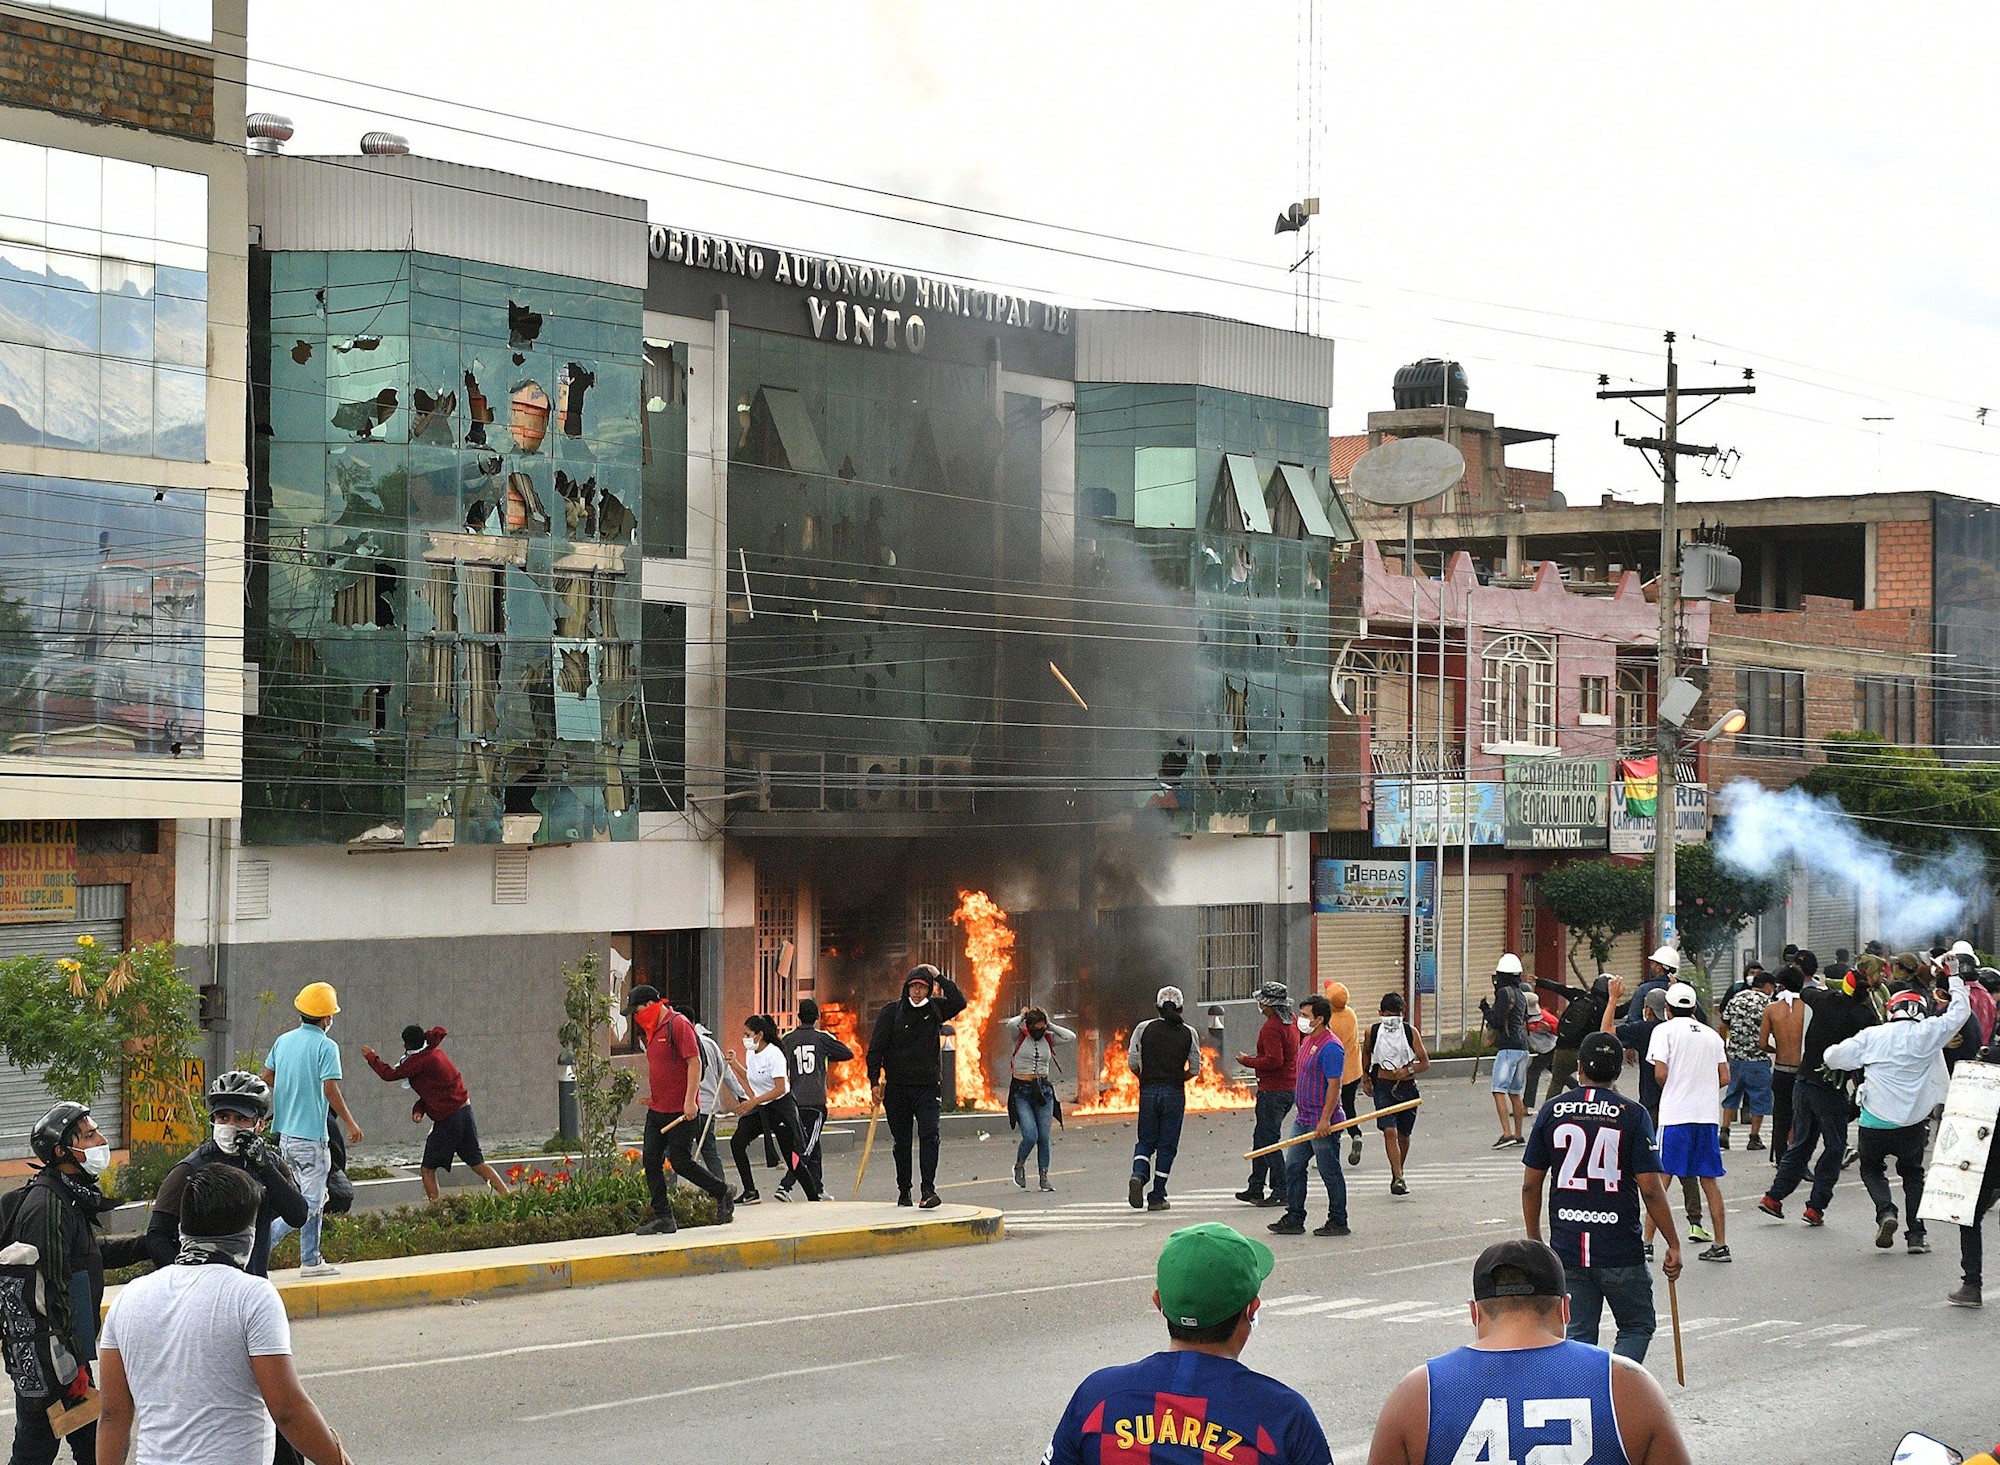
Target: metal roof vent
385	145
267	131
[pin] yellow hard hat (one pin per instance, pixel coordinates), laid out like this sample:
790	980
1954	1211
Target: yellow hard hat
316	999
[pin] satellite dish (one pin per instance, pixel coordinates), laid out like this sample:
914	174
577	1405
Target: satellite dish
1405	471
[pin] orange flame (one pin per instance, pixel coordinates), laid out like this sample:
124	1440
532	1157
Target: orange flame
1118	1086
846	1083
989	949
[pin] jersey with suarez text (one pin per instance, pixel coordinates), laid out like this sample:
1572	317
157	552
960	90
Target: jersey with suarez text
1595	1144
1186	1408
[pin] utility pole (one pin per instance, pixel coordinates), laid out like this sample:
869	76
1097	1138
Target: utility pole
1666	735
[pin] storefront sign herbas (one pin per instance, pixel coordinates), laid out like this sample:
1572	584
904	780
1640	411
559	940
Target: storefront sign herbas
1558	803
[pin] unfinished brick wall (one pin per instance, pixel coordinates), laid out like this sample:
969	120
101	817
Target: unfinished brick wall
1903	571
60	68
148	882
1831	643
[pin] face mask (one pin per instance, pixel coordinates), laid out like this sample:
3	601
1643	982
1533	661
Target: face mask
225	1136
1305	1025
96	1160
918	1001
234	1249
749	1044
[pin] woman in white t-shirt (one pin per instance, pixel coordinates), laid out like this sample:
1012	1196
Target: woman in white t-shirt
770	1108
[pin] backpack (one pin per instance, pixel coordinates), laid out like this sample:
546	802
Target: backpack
1579	1020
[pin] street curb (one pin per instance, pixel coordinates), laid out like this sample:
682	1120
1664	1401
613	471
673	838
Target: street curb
494	1275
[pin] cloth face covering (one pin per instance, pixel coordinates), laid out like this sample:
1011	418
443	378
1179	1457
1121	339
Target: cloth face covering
232	1250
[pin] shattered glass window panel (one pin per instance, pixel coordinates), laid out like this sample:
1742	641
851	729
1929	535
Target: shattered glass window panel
575	667
1163	488
664	447
102	590
796	439
663	707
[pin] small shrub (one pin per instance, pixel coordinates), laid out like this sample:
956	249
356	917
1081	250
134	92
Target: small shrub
146	1165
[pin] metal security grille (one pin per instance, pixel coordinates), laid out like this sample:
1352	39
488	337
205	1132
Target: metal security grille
1230	952
777	930
937	938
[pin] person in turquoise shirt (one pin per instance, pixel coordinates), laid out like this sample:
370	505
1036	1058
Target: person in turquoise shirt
303	1070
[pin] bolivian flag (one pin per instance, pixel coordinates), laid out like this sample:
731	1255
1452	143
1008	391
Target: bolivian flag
1642	786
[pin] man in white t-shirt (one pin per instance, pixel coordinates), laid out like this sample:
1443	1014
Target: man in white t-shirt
1692	1065
199	1356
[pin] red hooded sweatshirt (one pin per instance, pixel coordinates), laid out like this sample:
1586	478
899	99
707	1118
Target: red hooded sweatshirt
439	1086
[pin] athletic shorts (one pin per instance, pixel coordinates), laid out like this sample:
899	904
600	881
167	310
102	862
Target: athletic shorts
1691	1149
1510	1071
1385	1094
455	1136
1749	1090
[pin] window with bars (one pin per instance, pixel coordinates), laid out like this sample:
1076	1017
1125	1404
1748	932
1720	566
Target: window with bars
1519	692
1634	707
938	940
1231	952
1887	707
777	934
1774	708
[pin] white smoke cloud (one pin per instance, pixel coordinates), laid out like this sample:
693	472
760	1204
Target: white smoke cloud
1768	832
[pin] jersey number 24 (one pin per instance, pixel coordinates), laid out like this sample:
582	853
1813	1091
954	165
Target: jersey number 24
1585	1160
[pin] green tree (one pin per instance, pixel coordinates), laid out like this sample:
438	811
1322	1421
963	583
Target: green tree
603	1089
1914	801
1599	901
1712	901
86	1018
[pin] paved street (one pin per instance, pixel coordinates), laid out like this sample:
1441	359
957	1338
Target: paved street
969	1355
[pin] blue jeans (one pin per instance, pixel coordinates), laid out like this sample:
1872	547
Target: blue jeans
1327	1152
1266	1171
1035	1112
311	1164
1819	1116
1629	1290
1162	1107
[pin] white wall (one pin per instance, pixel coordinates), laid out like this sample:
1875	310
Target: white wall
1220	869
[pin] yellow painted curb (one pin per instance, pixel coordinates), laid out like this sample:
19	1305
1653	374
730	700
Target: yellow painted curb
499	1277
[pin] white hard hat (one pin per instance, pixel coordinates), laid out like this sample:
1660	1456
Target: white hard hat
1680	994
1508	963
1667	957
1168	995
1963	948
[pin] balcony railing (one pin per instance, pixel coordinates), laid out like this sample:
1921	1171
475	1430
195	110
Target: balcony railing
1392	760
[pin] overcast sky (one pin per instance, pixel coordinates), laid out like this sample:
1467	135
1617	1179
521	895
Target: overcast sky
1538	189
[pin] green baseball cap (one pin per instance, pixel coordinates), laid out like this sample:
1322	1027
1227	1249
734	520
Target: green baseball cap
1209	1273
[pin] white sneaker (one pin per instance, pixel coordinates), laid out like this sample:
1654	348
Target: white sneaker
319	1269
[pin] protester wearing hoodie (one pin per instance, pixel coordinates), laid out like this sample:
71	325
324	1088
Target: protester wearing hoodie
905	1070
1346	1030
441	1097
1903	1060
1276	1065
1164	1054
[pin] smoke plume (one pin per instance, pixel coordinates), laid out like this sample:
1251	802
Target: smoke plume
1768	833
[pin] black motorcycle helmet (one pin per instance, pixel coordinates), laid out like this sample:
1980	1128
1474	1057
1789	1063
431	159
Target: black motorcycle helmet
53	1130
240	1093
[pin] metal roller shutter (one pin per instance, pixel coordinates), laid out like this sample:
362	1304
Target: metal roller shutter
1628	959
1444	1018
24	1098
1365	952
1832	917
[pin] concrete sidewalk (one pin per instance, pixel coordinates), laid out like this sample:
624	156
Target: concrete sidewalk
767	1235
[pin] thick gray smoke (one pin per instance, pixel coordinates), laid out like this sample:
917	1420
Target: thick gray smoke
1770	832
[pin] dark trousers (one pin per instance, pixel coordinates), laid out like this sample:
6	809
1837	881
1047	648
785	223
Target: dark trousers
1782	1084
1906	1147
711	1148
1267	1172
36	1444
812	1120
779	1121
675	1145
1969	1243
1629	1290
1559	1064
1538	1064
1162	1107
913	1109
1819	1116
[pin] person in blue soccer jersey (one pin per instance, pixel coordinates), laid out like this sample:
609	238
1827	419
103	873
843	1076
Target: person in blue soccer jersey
1194	1404
1522	1391
1599	1145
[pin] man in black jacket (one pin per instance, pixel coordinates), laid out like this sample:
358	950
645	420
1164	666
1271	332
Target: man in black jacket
1164	1055
58	1214
239	1104
904	1058
1819	1097
809	1048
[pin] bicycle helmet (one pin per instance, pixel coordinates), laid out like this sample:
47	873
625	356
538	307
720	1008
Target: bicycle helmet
240	1093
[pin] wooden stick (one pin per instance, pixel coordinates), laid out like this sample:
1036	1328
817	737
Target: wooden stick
1299	1139
1674	1305
867	1149
676	1120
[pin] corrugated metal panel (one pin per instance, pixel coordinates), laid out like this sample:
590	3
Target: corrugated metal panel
1628	958
1832	917
1366	953
400	203
24	1097
1443	1014
1202	350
